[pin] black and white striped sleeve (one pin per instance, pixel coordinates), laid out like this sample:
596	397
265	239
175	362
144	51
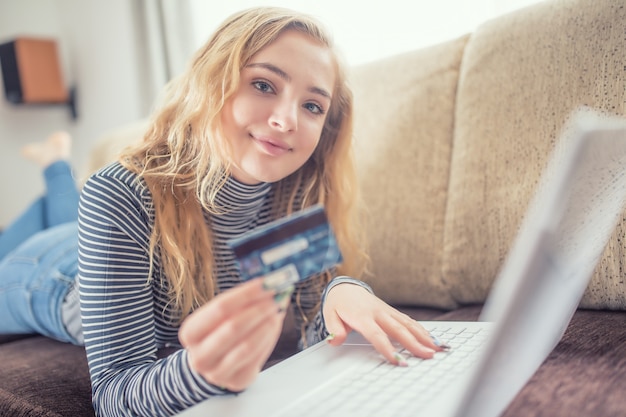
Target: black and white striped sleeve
118	306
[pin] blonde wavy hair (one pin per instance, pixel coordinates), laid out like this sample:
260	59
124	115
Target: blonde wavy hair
184	158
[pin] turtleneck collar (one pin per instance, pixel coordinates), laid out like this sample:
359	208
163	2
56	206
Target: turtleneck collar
237	197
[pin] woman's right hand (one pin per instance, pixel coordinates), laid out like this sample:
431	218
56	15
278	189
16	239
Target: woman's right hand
230	338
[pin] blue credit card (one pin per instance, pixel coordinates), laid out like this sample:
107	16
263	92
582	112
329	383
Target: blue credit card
289	249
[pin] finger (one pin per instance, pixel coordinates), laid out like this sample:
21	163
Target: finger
424	336
416	329
379	339
253	363
210	351
256	349
240	366
206	318
337	329
409	334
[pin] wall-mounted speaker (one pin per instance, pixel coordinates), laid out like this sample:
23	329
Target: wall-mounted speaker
31	71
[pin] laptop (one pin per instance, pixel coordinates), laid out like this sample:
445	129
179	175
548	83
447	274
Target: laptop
580	198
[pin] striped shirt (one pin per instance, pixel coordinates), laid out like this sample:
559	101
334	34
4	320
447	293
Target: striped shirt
127	317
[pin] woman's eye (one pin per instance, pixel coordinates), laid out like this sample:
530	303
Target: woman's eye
314	108
263	86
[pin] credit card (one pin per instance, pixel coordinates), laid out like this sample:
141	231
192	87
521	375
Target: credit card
289	249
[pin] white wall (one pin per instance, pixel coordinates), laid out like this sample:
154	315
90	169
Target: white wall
100	55
365	31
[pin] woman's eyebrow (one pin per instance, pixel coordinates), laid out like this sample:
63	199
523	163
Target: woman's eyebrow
282	74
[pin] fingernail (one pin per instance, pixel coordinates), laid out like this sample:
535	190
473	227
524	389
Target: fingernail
439	343
282	298
330	337
400	360
280	280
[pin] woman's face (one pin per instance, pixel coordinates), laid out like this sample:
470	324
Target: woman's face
275	118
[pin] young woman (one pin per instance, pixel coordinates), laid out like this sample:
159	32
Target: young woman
257	127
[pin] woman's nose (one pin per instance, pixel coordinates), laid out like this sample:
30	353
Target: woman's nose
284	116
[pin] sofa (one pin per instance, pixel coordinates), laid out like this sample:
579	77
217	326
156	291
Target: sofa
450	143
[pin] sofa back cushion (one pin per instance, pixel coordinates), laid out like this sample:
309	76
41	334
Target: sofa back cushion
404	108
107	148
522	75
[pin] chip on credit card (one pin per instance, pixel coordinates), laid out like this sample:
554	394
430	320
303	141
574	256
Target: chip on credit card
289	249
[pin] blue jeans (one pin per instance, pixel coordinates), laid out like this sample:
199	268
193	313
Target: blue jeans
57	206
39	260
34	280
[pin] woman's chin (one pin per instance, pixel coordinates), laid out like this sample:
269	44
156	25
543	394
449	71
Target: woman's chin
252	178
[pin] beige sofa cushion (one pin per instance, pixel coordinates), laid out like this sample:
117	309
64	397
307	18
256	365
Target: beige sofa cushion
522	75
404	108
107	148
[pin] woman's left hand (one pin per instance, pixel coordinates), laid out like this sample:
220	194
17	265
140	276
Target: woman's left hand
351	307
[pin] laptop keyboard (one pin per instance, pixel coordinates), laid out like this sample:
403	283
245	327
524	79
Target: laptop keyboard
384	389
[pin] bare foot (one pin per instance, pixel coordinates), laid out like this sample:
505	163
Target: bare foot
56	147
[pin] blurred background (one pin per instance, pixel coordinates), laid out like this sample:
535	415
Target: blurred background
118	54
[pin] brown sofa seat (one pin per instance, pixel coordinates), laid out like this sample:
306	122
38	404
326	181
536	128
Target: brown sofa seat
585	375
44	378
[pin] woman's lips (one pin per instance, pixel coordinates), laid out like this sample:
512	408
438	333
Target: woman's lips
272	147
